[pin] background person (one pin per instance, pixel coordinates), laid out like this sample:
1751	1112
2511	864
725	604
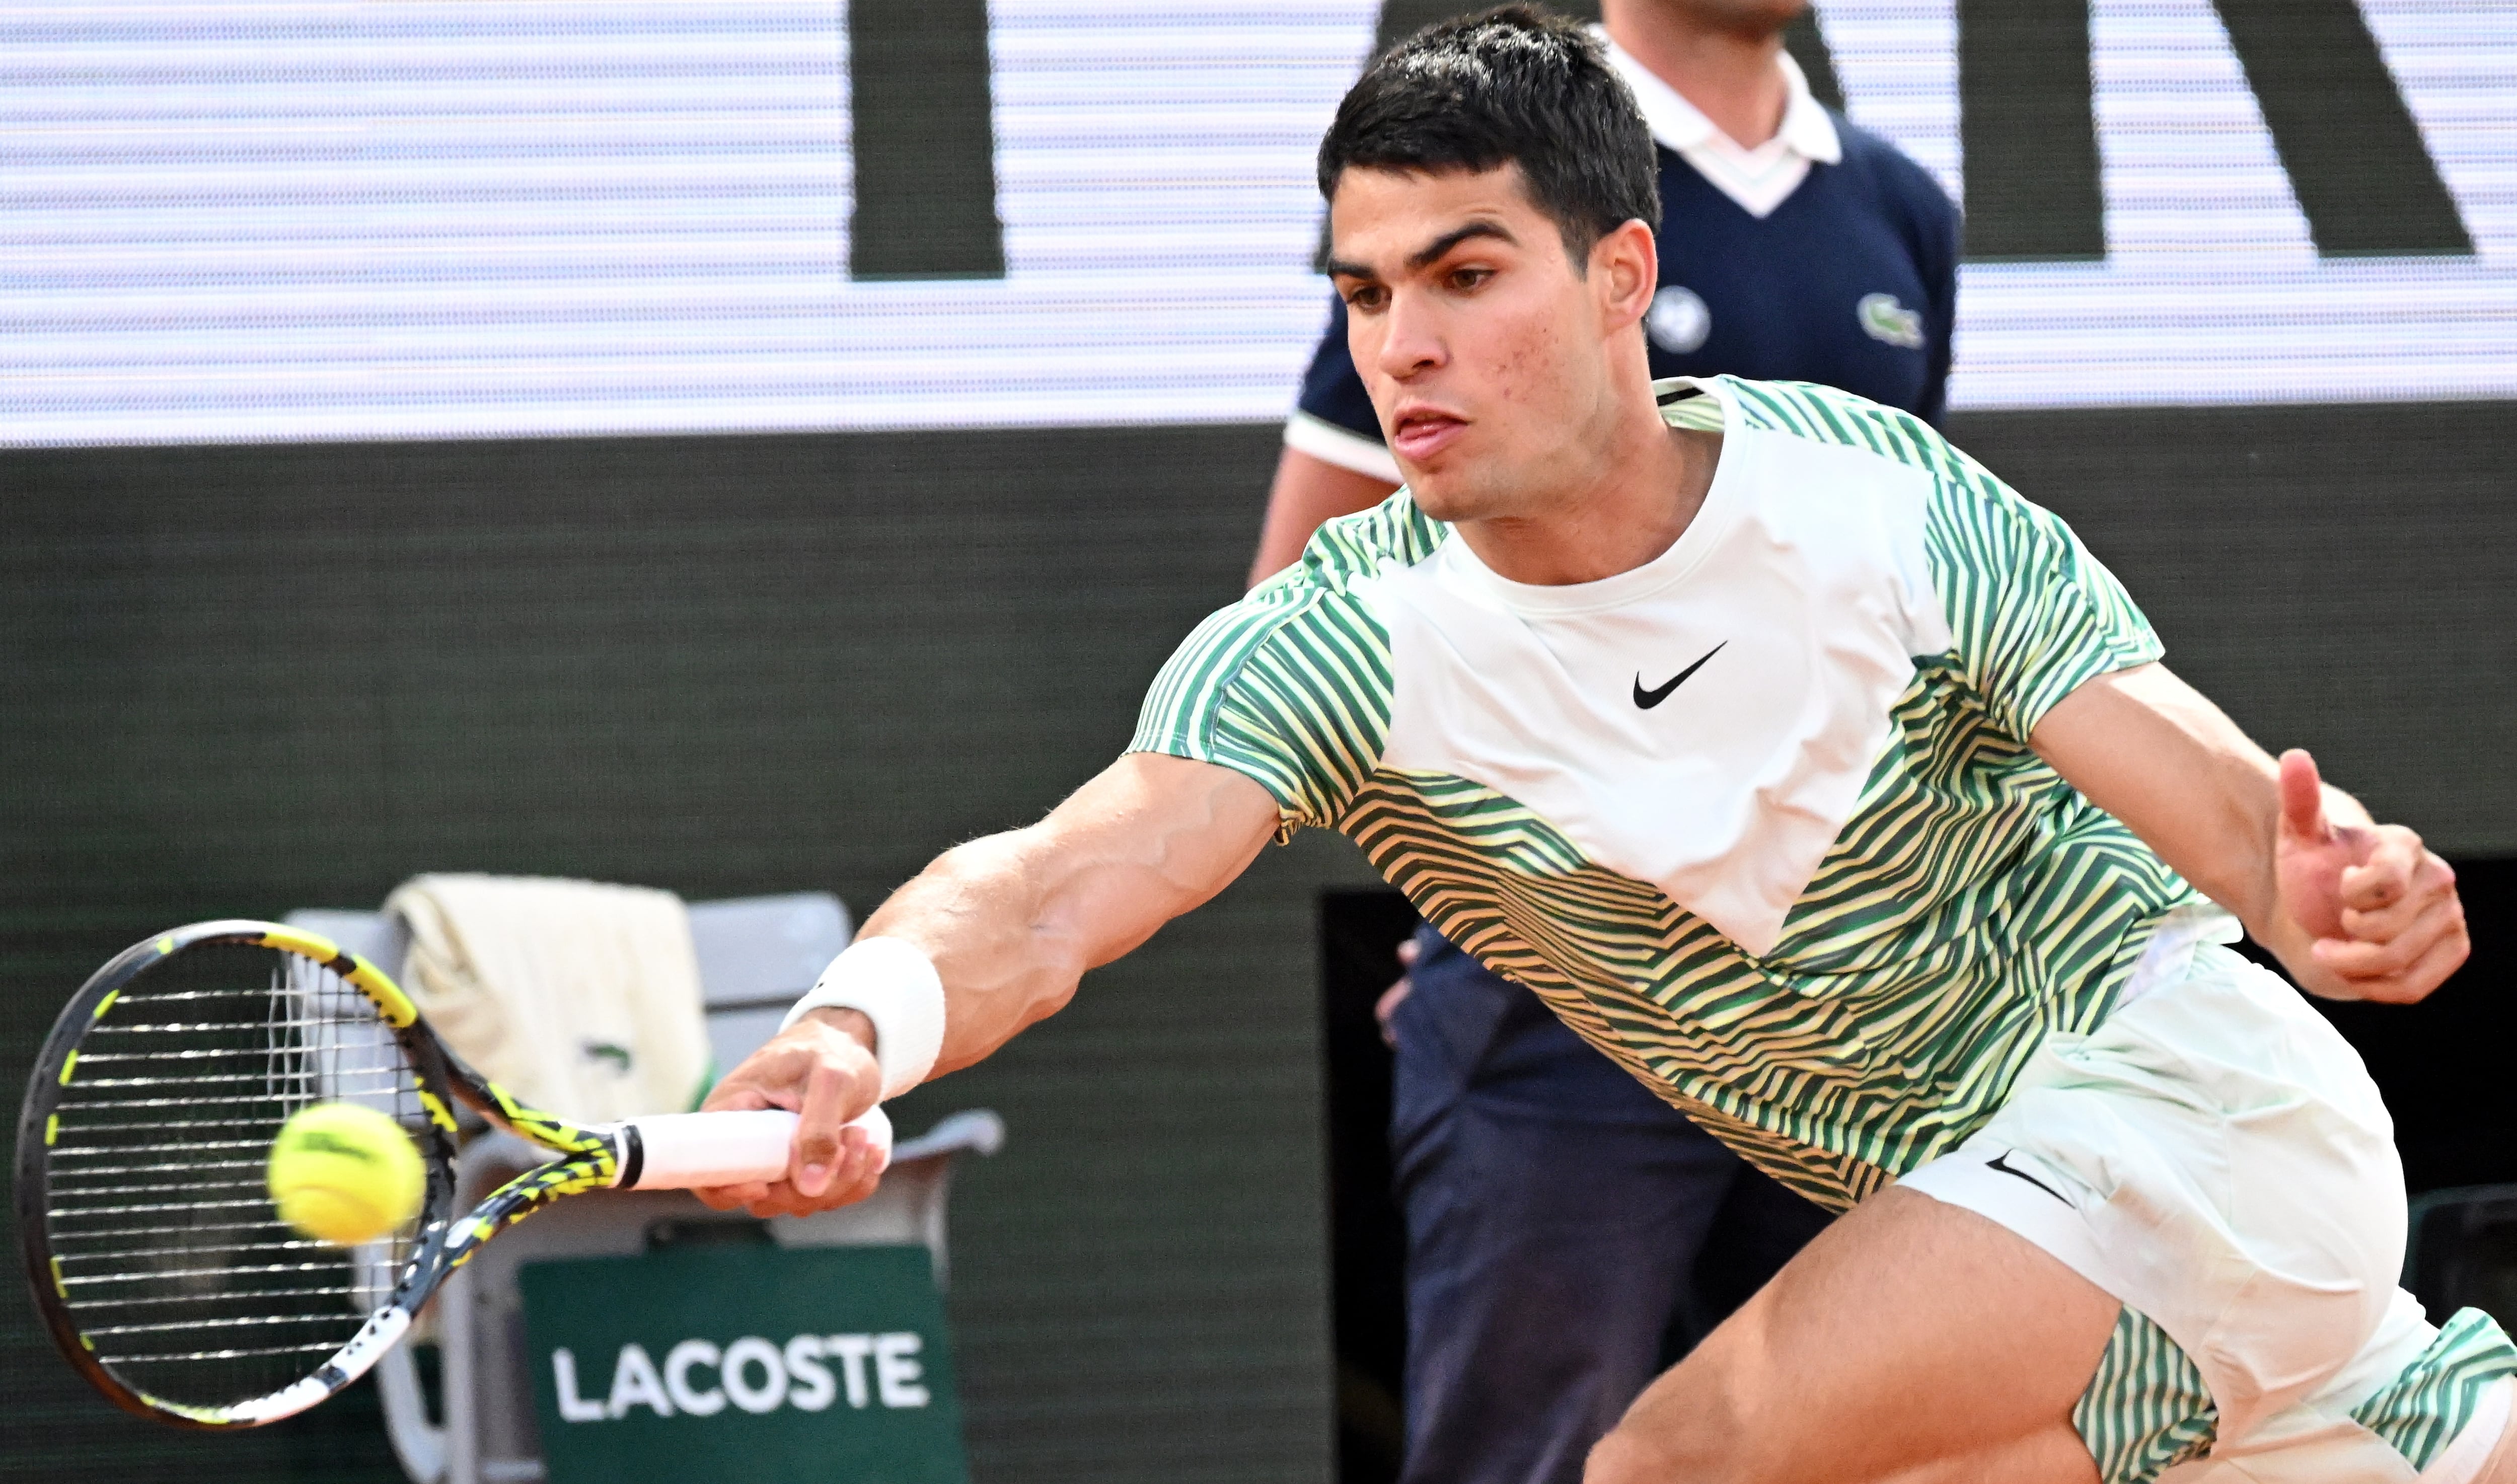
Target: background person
1568	1230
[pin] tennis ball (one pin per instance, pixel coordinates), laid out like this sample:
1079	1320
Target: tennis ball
345	1174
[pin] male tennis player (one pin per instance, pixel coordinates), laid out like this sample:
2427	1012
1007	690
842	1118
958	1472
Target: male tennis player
1832	789
1564	1225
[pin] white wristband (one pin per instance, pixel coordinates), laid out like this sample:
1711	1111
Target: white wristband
895	987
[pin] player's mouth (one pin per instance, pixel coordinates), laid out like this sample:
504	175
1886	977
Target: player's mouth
1420	432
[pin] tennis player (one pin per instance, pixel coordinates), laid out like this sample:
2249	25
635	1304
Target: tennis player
1565	1227
1833	789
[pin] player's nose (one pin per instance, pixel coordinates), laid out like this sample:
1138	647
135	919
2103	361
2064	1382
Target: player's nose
1412	338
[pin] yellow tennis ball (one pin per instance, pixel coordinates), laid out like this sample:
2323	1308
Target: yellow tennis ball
345	1174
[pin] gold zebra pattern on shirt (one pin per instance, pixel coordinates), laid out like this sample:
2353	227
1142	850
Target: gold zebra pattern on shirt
1973	904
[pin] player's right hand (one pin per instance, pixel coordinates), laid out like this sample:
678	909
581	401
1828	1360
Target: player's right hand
822	1069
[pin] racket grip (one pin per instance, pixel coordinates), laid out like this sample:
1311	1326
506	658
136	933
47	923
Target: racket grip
684	1151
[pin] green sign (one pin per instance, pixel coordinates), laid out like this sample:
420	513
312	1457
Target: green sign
825	1365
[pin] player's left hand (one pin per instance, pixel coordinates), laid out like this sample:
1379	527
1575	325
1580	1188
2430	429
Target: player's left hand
2381	909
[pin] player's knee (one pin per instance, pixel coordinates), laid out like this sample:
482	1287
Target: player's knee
1621	1459
1671	1451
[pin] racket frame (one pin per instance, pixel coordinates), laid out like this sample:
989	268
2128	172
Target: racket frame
592	1157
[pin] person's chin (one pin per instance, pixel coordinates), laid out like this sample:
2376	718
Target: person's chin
1441	495
1443	468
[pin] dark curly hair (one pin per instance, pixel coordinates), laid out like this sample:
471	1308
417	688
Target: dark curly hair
1517	84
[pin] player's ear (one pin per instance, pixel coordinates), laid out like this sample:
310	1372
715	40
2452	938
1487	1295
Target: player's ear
1625	268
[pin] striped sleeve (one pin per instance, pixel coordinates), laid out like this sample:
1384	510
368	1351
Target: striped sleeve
2033	614
1289	686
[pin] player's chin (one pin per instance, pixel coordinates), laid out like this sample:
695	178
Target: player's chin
1443	494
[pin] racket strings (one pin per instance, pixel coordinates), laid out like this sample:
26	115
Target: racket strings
168	1253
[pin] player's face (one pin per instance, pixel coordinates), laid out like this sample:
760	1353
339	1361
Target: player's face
1488	355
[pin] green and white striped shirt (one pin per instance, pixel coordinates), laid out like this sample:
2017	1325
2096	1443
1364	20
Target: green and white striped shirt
1758	819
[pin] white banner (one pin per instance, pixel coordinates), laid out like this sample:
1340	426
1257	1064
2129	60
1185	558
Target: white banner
228	221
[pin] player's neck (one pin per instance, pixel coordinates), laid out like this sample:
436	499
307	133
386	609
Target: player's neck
1627	506
1733	76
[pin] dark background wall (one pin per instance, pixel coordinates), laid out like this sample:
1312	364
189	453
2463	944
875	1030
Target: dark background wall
234	680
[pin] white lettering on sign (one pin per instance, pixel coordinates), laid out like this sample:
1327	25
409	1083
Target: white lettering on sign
739	1357
678	1361
895	1374
573	1408
634	1383
852	1350
698	1378
808	1381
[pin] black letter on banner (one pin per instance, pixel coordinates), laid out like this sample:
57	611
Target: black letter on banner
924	142
2026	125
2355	157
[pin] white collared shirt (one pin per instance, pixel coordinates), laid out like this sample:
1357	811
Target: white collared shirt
1759	179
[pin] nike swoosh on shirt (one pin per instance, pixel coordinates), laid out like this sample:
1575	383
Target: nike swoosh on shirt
1652	698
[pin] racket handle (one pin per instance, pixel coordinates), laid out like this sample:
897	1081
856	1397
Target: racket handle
683	1151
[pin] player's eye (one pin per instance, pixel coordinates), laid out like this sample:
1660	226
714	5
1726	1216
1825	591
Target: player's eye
1467	279
1367	298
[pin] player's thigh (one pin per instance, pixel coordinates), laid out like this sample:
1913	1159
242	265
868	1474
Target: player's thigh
2501	1467
1910	1340
1763	1225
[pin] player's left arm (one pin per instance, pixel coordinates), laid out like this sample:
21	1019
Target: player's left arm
2353	909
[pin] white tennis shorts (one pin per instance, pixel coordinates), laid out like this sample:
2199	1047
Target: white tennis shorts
2215	1156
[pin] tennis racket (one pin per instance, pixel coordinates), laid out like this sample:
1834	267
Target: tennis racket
162	1269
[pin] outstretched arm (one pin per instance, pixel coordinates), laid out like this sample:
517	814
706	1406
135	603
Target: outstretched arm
1010	922
2353	909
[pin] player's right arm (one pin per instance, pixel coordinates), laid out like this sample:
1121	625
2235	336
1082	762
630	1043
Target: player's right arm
1010	923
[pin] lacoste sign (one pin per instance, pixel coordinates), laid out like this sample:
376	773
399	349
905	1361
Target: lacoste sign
770	1364
699	1379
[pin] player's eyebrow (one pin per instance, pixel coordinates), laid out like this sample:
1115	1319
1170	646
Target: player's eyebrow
1430	253
1433	253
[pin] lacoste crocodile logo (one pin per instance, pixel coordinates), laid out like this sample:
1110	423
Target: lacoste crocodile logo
1890	323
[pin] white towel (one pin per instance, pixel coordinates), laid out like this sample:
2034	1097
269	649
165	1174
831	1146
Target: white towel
580	999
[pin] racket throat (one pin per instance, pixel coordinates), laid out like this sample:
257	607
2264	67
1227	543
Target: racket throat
382	1330
628	1157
